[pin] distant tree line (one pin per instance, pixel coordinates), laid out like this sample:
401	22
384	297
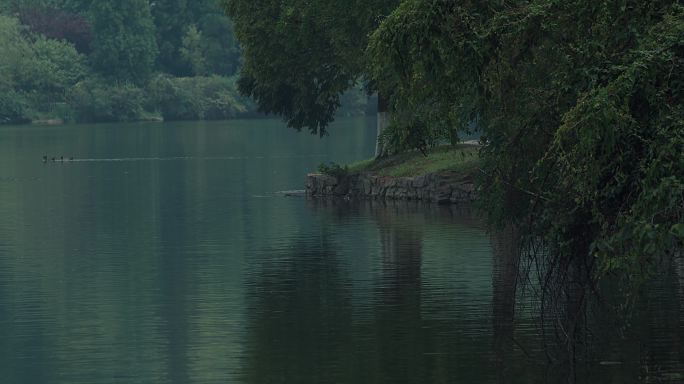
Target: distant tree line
122	60
117	60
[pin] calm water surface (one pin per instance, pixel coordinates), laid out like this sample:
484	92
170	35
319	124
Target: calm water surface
163	254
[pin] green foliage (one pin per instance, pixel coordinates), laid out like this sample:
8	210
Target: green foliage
301	56
14	49
625	142
171	19
333	169
412	131
420	57
97	100
13	107
200	33
580	104
124	45
218	46
191	51
43	77
52	70
35	72
462	159
197	98
60	66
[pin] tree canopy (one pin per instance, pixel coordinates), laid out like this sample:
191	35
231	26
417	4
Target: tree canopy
580	106
299	57
124	47
102	60
33	72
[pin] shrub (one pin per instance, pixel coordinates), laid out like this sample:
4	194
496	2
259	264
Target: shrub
196	98
333	169
35	72
49	72
410	131
94	100
13	107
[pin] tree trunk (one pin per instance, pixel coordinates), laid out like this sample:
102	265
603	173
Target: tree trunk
383	122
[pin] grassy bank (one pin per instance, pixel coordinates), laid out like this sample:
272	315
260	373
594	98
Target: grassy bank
463	158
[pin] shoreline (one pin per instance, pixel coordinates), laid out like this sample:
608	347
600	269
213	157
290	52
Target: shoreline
441	188
444	177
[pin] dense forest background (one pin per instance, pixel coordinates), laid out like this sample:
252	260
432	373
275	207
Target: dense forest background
124	60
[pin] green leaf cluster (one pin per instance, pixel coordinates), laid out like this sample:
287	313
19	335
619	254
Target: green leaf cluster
98	100
120	80
35	73
300	56
333	169
197	98
580	106
124	47
195	37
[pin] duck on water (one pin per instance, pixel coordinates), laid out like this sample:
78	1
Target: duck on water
54	159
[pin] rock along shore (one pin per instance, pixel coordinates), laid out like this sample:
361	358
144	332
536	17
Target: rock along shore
440	188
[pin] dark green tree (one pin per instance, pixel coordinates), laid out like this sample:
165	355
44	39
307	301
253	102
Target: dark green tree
171	18
124	46
218	46
300	56
205	24
581	107
35	72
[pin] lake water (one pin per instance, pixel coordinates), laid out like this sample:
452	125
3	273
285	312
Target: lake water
163	254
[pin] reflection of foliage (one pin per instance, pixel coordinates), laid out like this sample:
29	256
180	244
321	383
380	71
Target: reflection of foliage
312	321
301	318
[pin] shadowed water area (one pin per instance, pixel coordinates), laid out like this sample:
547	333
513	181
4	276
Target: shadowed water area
163	254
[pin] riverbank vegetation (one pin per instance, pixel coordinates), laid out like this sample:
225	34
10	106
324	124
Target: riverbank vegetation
127	60
106	61
463	159
580	103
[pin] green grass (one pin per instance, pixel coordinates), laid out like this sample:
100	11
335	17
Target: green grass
462	158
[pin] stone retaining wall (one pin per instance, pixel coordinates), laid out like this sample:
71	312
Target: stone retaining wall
441	188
